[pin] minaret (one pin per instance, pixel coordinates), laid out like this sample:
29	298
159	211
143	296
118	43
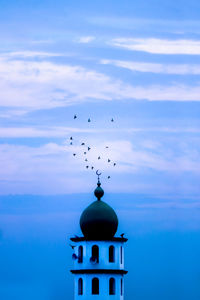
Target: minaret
99	255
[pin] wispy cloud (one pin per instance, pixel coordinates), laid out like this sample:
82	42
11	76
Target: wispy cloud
40	164
30	85
179	69
159	46
62	132
86	39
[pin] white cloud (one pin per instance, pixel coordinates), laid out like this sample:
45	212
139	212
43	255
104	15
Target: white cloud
159	46
52	167
45	132
29	54
179	69
29	85
86	39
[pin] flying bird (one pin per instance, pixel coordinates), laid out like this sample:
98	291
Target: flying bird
92	168
71	138
108	160
87	167
85	152
99	157
108	177
89	148
112	120
82	144
71	143
75	116
86	159
122	235
74	154
73	246
107	147
114	164
89	120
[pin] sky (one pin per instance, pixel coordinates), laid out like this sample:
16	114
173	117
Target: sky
138	63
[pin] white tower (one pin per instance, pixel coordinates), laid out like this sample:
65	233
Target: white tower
98	255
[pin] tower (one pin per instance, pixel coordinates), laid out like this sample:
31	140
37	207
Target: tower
99	255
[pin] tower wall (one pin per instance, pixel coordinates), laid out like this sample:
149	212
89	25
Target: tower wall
103	287
103	255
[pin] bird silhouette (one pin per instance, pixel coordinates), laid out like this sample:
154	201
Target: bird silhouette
87	167
89	148
71	143
108	160
122	235
75	116
71	138
112	120
114	164
108	177
99	157
74	154
82	144
92	168
89	120
107	147
85	152
73	246
86	159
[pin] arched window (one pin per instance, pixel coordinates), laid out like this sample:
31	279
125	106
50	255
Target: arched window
112	286
95	252
80	286
121	254
80	254
111	254
121	287
95	286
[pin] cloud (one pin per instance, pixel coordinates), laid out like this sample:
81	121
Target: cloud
62	132
159	46
51	168
86	39
31	85
177	69
45	132
29	54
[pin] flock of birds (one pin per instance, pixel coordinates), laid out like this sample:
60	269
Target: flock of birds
87	150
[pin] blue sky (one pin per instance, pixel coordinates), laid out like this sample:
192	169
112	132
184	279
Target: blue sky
137	62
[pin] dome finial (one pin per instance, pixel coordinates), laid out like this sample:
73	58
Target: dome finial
99	192
98	174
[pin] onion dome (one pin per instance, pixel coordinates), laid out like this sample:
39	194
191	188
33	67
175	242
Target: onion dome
99	221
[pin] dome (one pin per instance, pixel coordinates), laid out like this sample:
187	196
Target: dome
99	221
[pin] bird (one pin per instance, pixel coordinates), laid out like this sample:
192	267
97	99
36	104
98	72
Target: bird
122	235
71	143
114	164
74	154
89	148
86	159
92	168
107	147
112	120
99	157
89	120
73	246
87	167
85	152
71	138
82	144
108	160
108	177
75	116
